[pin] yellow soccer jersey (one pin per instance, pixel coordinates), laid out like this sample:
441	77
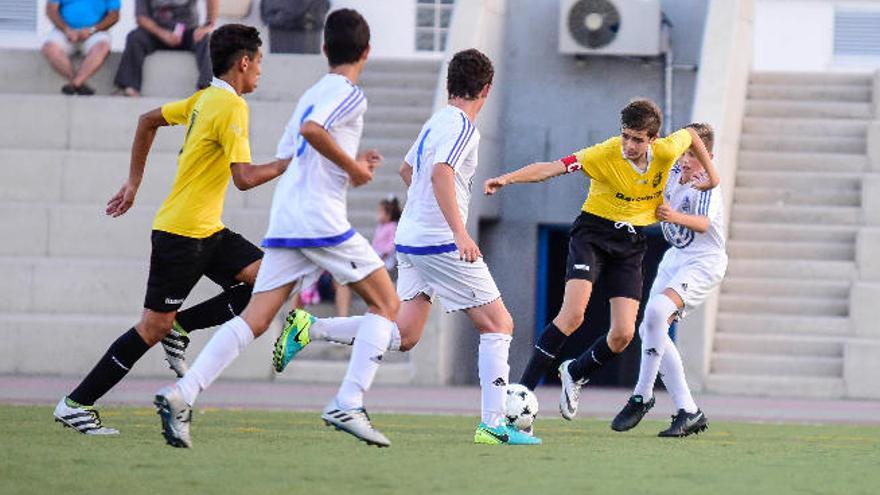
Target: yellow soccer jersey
618	191
216	136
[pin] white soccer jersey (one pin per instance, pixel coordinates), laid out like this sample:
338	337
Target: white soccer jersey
447	137
309	205
684	198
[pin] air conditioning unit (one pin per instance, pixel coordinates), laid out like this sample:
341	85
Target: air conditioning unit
610	27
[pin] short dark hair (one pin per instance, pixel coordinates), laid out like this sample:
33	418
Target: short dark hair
346	36
642	114
469	71
706	133
229	43
391	206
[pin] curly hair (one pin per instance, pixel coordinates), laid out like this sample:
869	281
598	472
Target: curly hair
706	133
642	114
469	72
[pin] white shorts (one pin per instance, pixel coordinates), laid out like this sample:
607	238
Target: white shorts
348	262
692	278
57	36
459	284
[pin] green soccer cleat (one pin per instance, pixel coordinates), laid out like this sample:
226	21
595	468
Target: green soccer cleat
503	435
293	338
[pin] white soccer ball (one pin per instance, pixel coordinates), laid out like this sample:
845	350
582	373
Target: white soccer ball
521	407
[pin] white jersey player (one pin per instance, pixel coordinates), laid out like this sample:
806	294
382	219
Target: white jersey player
436	256
309	232
693	223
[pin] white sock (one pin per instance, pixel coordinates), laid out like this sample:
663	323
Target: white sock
344	330
654	331
226	344
494	376
372	341
672	374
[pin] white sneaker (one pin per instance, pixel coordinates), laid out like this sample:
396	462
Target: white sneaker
355	422
176	416
571	392
84	419
175	344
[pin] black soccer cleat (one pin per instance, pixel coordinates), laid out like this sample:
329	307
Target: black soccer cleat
633	412
684	424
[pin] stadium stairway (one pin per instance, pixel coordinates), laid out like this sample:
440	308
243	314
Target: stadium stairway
74	279
783	317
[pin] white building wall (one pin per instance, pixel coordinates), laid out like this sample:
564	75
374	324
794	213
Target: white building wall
798	36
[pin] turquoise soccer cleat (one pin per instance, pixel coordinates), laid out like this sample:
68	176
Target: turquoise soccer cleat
503	435
294	337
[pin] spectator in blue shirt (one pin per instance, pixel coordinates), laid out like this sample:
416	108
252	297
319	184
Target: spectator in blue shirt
79	25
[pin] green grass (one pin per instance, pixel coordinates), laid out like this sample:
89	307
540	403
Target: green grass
294	453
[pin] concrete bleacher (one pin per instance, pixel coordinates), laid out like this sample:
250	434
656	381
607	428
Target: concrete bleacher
784	323
74	278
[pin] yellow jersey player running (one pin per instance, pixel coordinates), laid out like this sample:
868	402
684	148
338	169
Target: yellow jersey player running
627	174
189	239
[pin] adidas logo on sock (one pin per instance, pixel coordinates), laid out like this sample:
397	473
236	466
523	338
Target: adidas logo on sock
499	382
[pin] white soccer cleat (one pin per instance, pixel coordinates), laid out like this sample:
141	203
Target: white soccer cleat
176	416
355	422
571	392
175	344
84	419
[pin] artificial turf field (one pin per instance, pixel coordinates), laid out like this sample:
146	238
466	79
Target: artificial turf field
243	451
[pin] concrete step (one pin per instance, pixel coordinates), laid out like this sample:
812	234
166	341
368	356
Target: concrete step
391	130
829	181
763	286
816	145
388	146
834	215
811	78
787	232
797	197
810	92
791	250
765	304
776	365
805	127
70	344
775	386
403	66
401	97
801	346
808	109
372	78
794	161
797	269
416	114
760	324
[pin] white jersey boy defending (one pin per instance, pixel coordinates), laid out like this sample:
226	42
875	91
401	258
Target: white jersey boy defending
696	262
308	222
428	261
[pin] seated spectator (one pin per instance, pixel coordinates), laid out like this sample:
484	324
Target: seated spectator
165	25
80	25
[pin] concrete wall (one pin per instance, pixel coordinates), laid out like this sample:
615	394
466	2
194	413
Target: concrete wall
553	105
720	99
798	36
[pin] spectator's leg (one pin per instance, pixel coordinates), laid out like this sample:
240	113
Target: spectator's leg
138	44
96	54
202	50
58	59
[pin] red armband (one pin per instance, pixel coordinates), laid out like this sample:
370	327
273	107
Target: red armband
571	164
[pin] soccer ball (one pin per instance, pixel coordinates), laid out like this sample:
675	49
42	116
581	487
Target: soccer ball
521	407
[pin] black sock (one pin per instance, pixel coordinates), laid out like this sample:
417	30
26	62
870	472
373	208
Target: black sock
112	368
543	355
590	361
217	310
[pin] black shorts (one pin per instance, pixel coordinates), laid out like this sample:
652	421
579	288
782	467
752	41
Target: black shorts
178	262
602	248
